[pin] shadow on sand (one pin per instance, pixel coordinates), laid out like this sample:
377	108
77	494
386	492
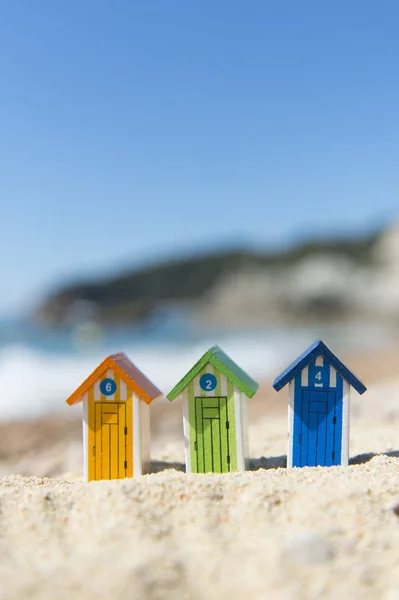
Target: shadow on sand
280	462
360	459
272	462
159	465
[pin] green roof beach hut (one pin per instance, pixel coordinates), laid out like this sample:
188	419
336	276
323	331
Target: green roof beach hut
214	394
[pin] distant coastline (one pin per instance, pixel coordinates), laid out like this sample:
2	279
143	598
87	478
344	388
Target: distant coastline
313	281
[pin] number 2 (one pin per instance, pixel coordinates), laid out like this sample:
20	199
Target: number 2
208	385
318	376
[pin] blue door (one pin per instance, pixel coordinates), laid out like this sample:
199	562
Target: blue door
318	431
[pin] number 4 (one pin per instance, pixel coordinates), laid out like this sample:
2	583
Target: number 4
318	376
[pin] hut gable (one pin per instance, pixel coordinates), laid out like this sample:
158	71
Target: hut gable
225	365
318	350
129	374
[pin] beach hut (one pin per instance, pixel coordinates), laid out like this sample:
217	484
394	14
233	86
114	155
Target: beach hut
318	409
116	419
214	394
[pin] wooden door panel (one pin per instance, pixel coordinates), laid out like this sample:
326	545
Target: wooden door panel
110	440
316	438
211	430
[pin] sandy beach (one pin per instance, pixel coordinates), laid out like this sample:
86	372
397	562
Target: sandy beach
267	533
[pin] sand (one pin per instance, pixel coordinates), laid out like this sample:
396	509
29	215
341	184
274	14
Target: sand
302	533
269	533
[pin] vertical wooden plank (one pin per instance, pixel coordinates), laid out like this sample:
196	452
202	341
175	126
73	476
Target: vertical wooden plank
290	437
85	431
98	437
200	436
117	380
232	434
141	444
199	391
216	445
148	451
345	423
105	451
222	424
114	451
338	422
244	422
238	398
312	439
304	446
91	447
330	433
192	428
121	441
223	433
129	436
322	438
122	391
96	391
218	390
187	420
297	442
137	436
198	424
143	413
327	370
333	377
208	445
147	437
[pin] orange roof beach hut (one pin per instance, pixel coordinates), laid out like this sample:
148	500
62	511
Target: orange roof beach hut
116	400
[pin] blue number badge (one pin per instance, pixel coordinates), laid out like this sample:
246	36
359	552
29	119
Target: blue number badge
318	376
108	387
208	382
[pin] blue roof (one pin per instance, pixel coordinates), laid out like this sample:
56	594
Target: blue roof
318	348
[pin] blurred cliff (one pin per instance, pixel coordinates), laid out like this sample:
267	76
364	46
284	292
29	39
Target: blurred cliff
336	278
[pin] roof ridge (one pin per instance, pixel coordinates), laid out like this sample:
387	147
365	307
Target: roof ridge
131	375
316	349
225	365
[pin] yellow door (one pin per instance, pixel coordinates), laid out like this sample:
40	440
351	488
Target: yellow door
111	440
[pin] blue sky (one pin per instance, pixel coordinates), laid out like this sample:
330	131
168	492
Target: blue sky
136	130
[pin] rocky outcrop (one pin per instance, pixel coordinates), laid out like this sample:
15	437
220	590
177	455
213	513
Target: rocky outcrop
333	279
320	285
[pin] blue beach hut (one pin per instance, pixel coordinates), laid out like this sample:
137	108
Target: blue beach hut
318	408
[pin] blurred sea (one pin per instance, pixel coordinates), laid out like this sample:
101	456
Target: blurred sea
40	367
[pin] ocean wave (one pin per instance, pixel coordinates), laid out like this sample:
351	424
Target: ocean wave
36	381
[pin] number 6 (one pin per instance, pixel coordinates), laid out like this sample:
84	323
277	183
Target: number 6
108	386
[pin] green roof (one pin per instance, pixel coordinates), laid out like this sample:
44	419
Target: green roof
225	365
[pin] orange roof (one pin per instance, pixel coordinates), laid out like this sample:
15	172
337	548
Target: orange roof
128	372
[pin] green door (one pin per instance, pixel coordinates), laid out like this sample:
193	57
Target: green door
212	435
